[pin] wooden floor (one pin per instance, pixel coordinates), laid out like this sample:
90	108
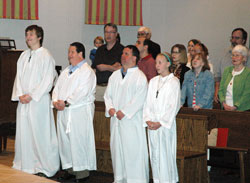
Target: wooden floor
10	175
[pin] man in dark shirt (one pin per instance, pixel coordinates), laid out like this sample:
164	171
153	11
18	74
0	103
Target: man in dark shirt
145	32
108	56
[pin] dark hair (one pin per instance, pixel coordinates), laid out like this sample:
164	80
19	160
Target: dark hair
135	52
204	48
183	52
204	59
148	42
195	41
111	25
39	32
244	33
79	48
118	38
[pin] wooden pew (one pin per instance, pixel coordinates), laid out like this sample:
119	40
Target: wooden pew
238	124
191	145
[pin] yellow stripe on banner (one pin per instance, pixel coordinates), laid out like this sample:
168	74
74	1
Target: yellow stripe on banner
17	4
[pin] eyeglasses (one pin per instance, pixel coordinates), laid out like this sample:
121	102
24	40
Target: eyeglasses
234	37
106	32
175	52
236	55
139	34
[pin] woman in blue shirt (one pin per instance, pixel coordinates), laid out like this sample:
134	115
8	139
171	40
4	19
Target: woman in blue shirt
198	85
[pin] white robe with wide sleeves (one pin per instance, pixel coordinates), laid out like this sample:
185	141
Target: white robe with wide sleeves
36	146
128	138
162	142
75	123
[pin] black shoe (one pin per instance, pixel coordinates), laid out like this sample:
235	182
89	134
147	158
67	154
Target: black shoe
66	176
82	180
41	175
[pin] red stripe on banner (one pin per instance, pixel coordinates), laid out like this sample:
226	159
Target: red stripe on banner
36	9
127	12
113	11
13	9
135	13
120	12
90	12
97	12
21	9
4	8
29	10
105	11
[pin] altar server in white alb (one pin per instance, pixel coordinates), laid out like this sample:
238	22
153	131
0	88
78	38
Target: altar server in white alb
159	115
74	96
124	99
36	146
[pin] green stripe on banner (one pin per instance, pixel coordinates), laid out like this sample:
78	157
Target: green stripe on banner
138	13
25	9
124	9
17	4
101	18
131	12
93	15
32	7
8	9
1	9
116	9
109	11
86	12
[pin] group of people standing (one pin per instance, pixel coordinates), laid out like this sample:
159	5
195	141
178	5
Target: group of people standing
143	88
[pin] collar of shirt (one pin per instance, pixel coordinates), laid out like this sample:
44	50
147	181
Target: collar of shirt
124	73
73	68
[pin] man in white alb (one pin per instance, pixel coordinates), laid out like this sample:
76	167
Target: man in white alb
124	99
73	97
36	146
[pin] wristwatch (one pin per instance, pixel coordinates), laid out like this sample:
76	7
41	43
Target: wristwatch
66	104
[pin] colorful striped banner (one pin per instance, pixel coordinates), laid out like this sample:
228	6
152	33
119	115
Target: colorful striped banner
19	9
120	12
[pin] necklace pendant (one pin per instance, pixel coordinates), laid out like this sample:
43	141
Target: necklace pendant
157	93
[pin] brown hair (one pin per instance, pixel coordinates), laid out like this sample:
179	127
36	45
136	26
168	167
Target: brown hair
204	60
182	51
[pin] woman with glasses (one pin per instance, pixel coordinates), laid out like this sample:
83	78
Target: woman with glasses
179	55
234	92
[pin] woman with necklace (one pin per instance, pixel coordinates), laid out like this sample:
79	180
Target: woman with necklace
234	92
198	85
159	115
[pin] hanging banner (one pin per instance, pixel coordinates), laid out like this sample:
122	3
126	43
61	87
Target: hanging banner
119	12
19	9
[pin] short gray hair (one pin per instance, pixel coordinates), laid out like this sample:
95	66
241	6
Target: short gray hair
241	49
145	29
